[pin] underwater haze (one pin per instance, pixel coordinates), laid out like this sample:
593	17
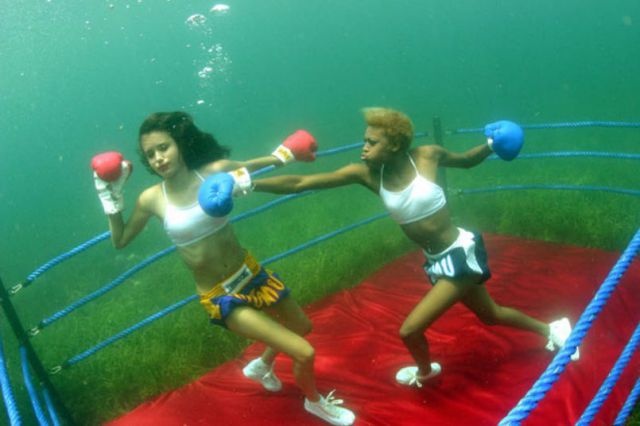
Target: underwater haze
77	78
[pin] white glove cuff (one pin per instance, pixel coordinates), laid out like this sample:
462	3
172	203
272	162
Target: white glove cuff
111	203
490	143
110	193
283	154
242	179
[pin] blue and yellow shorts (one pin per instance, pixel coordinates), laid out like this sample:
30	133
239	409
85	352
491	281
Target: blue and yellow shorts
251	285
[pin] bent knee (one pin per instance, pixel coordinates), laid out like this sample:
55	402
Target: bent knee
305	326
305	354
489	320
490	317
301	327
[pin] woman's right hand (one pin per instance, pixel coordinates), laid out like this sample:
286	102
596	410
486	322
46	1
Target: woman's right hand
110	191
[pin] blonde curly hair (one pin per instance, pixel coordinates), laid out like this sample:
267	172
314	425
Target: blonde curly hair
397	125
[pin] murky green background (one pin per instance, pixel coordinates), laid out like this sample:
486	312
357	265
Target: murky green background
77	78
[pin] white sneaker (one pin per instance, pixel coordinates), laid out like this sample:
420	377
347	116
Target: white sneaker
327	409
259	371
408	376
559	332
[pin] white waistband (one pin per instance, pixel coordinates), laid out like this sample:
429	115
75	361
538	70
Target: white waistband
236	282
464	236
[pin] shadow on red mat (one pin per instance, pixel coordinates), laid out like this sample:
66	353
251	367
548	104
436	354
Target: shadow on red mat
486	370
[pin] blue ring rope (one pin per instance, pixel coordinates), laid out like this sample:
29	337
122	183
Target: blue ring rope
330	151
567	125
121	278
148	261
566	154
103	290
7	391
628	405
82	247
578	124
575	154
324	238
560	361
611	380
50	407
31	391
57	260
101	237
77	358
623	191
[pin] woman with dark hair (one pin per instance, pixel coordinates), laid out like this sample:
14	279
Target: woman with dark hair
234	289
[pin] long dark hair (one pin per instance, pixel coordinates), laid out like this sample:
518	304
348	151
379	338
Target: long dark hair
196	147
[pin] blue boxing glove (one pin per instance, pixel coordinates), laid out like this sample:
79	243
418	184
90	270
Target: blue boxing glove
505	138
215	194
217	191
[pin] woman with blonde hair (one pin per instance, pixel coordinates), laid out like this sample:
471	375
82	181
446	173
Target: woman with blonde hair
456	260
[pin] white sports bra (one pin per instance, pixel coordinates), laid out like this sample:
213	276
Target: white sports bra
187	225
421	198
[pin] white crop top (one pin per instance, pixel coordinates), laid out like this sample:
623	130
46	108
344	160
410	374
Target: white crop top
186	225
421	198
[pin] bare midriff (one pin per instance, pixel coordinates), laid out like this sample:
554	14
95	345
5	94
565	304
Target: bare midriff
433	233
213	258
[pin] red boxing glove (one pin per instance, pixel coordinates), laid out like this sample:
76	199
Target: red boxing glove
110	172
300	146
107	165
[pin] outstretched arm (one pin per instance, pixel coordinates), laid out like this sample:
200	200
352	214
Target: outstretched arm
505	138
217	191
251	165
299	146
467	159
286	184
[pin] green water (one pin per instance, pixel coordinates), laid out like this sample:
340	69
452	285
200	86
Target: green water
77	78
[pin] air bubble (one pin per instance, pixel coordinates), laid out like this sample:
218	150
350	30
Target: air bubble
196	20
219	9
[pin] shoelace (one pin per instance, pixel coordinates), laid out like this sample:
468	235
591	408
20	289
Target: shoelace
550	346
331	401
414	381
268	375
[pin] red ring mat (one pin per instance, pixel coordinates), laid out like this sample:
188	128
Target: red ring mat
486	370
